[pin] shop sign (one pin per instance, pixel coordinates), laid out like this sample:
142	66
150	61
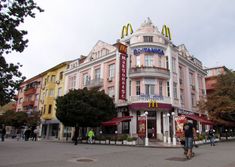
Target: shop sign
180	121
153	104
148	50
166	32
141	126
122	72
126	29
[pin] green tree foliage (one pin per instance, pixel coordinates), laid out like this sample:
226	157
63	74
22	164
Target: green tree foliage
221	103
16	119
12	15
84	108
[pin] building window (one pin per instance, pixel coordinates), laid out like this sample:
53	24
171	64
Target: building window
149	89
159	61
138	60
173	64
51	92
59	92
191	79
111	92
49	109
97	73
86	79
168	89
160	88
137	87
61	75
148	38
53	78
129	88
175	90
44	109
111	70
148	59
71	82
193	100
182	96
167	63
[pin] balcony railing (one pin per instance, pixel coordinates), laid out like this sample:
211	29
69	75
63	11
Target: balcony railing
149	71
28	103
95	83
146	98
29	91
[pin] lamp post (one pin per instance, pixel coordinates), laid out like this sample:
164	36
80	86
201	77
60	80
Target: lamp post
164	128
173	119
168	128
146	130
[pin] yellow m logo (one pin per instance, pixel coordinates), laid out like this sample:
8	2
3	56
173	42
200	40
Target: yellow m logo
126	29
153	104
166	32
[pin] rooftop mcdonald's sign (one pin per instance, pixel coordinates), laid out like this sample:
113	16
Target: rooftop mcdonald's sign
126	29
166	32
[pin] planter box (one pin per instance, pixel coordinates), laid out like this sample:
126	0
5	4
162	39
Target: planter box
102	141
131	142
118	142
84	141
97	141
107	142
124	141
112	142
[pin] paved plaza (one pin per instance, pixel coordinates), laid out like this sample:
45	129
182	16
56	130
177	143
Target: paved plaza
55	154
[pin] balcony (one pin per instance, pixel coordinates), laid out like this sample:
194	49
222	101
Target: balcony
149	72
147	98
95	83
28	103
29	91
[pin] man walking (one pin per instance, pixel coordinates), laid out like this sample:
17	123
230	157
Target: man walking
3	132
90	135
189	133
211	135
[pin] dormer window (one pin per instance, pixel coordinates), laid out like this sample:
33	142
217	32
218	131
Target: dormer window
148	38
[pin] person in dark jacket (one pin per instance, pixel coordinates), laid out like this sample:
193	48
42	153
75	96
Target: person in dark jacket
3	132
211	136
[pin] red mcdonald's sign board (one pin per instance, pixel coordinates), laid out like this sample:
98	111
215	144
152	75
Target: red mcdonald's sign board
122	73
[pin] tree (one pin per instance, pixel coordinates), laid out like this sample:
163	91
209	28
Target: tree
221	103
12	15
84	108
15	119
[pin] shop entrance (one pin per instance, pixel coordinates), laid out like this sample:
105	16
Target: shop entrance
152	124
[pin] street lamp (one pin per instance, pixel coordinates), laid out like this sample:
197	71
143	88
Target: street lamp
173	118
168	128
164	128
146	130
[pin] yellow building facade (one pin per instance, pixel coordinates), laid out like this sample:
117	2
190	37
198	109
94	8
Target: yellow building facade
52	87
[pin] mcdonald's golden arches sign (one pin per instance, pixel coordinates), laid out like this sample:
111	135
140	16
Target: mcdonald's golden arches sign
166	32
126	29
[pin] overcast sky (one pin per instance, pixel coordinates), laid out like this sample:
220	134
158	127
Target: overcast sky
70	28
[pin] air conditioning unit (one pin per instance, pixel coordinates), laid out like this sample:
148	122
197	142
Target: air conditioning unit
110	79
57	82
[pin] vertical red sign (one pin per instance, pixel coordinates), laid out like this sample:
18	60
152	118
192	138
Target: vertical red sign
141	126
122	72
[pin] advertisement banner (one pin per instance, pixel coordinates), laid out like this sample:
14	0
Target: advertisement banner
141	126
180	121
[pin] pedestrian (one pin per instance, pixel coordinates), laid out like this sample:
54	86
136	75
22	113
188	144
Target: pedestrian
35	134
18	135
27	134
3	133
211	136
189	134
75	135
90	135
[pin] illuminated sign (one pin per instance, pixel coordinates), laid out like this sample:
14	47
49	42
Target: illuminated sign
148	50
122	48
166	32
126	29
122	72
153	104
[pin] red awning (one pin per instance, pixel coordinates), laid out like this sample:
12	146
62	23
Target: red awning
116	121
201	119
